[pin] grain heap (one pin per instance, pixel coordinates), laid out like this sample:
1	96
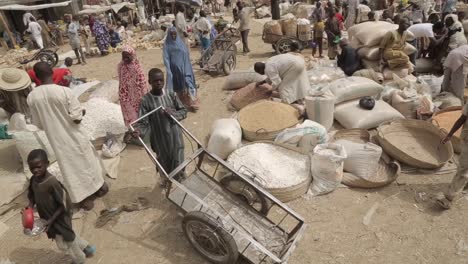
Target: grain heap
266	118
277	167
14	56
102	117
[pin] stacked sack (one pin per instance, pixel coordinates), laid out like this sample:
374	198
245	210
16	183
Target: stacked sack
368	45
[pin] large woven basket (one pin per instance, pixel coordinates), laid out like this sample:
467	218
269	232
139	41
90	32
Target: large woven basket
388	170
415	142
260	133
446	124
292	192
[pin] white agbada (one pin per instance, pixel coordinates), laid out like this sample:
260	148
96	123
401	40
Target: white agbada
53	109
288	74
35	29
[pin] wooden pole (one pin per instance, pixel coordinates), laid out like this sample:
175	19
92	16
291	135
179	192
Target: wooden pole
7	28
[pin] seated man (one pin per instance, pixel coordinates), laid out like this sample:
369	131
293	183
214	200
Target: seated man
392	47
115	38
348	60
60	76
287	73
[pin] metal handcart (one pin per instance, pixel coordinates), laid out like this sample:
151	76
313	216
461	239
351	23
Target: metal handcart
220	57
44	55
227	215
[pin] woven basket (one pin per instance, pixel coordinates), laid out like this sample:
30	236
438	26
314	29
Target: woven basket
388	170
289	193
262	133
415	142
446	125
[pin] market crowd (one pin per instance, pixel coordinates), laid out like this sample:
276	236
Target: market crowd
435	29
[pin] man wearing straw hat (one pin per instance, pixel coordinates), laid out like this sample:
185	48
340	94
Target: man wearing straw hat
55	110
15	86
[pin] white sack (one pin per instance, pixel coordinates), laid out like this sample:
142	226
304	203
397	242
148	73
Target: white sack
27	141
327	168
370	74
374	33
434	83
306	135
406	102
239	79
351	115
362	159
401	73
371	64
369	53
446	99
350	88
320	107
225	137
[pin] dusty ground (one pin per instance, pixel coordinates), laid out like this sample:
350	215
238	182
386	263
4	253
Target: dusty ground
404	228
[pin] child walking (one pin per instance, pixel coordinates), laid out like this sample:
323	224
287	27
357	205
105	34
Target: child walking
54	205
165	136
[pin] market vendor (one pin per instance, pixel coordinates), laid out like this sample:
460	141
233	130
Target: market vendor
55	110
455	72
287	74
348	60
15	86
460	179
114	38
392	47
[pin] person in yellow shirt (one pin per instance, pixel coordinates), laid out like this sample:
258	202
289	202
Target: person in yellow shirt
392	46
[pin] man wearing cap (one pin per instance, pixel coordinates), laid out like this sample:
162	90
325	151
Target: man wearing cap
55	110
15	86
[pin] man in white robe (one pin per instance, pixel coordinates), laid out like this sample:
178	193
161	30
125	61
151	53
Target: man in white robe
55	110
36	31
287	74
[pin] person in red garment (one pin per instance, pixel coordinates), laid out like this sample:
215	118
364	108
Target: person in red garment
61	76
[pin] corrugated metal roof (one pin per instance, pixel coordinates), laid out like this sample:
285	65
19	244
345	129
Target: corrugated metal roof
18	2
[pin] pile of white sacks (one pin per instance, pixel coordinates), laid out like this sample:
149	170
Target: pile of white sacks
367	36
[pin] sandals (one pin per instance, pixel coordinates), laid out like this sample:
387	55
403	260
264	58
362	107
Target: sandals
442	201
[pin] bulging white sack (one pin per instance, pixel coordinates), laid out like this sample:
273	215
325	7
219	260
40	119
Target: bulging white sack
354	87
327	168
362	158
225	137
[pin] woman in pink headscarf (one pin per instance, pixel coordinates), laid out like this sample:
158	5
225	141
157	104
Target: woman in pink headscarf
132	84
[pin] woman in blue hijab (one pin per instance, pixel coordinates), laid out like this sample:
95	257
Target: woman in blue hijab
180	77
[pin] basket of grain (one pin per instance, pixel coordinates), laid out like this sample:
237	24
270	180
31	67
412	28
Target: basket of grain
415	142
289	27
282	170
445	119
388	169
272	32
265	119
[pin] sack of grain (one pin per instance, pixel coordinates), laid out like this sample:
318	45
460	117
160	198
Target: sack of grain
424	65
371	64
327	168
352	31
102	117
306	135
301	10
362	158
409	49
387	93
303	32
239	79
225	137
446	99
434	83
250	94
289	27
351	115
324	74
378	29
370	74
320	107
407	102
27	141
107	90
369	53
350	88
401	72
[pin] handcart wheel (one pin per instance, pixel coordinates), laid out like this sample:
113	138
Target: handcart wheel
48	57
229	62
209	238
283	46
246	193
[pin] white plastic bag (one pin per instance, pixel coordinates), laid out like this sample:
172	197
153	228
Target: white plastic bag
113	146
320	107
225	137
434	83
327	168
306	135
362	159
351	115
350	88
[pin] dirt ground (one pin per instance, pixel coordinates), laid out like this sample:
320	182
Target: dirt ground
401	224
